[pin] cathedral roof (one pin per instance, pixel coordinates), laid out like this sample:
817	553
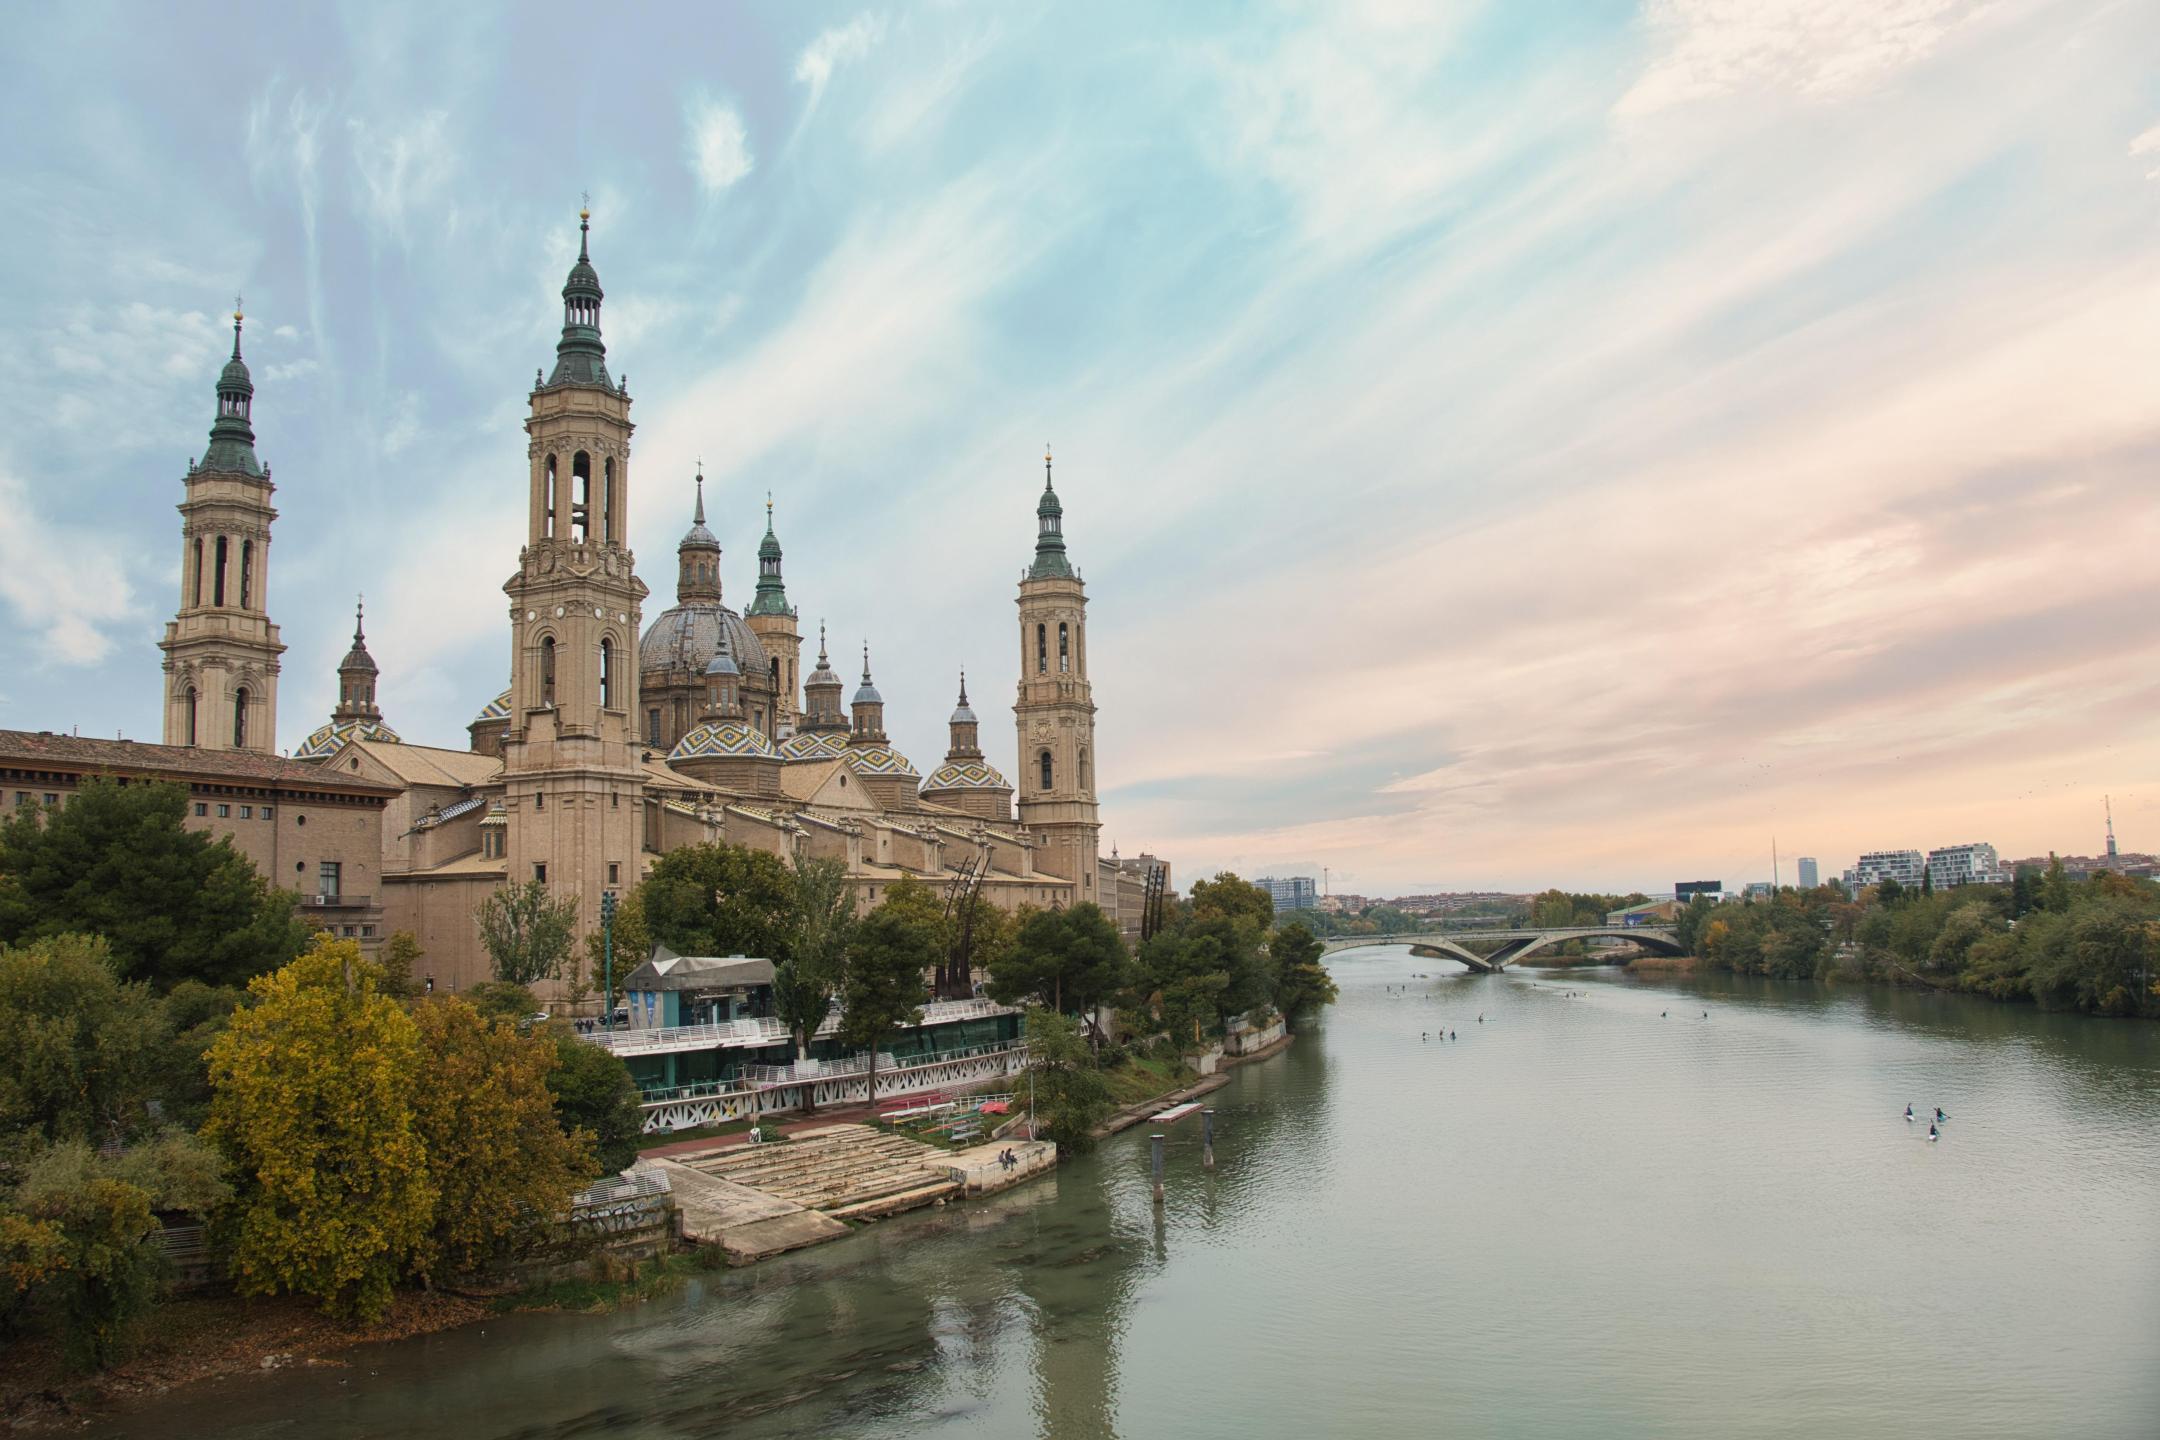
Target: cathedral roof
580	356
722	738
965	775
962	714
1050	561
358	658
822	745
865	693
687	637
496	709
877	760
325	742
232	438
697	537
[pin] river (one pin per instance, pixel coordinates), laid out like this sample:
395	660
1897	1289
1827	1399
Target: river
1601	1215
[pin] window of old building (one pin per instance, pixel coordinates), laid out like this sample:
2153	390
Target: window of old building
201	809
547	672
240	718
540	871
614	872
224	812
607	674
247	812
328	875
1064	648
1046	776
191	711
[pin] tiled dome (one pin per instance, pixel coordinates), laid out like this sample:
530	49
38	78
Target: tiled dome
324	742
496	709
972	775
723	738
878	760
825	745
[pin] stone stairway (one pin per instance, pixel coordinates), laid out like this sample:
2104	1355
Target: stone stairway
846	1171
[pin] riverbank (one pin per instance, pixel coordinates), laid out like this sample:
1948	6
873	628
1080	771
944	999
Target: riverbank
194	1339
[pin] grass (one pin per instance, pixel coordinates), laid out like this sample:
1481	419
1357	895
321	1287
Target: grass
707	1132
1142	1079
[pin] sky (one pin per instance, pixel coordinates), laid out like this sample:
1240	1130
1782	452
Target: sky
1506	444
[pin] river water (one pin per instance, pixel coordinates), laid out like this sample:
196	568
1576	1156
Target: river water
1593	1214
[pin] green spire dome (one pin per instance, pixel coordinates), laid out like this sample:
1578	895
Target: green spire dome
771	598
232	439
580	358
1050	561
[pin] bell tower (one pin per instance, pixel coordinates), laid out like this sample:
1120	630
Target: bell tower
221	650
1055	711
772	620
570	758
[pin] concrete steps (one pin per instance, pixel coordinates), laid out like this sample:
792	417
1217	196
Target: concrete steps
848	1171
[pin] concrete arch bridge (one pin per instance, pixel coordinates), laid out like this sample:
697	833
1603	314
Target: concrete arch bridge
1510	946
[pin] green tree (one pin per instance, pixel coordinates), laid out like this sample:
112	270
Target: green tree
720	900
1069	1094
881	986
195	1015
313	1106
1072	960
1245	904
1301	982
502	1168
119	861
110	1268
401	957
527	932
2055	887
501	1000
594	1093
805	981
83	1049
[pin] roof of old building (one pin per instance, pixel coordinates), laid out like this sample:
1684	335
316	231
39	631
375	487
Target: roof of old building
46	748
327	740
426	765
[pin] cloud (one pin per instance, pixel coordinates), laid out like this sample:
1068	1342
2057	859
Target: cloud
2148	144
400	167
1819	49
835	47
719	146
66	585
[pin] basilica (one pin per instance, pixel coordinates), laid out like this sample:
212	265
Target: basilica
620	735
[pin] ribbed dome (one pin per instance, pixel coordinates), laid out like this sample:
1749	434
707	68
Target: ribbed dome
686	637
972	775
722	738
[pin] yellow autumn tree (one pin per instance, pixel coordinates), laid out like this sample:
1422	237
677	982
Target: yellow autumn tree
312	1101
503	1168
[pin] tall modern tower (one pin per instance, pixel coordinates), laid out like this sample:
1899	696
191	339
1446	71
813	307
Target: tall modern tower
1055	711
570	757
221	651
1810	877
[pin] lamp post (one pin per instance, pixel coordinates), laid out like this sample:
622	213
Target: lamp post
607	952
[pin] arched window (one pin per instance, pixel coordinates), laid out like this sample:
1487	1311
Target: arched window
198	570
547	515
1064	648
547	672
607	500
776	673
1042	649
240	718
217	581
191	698
247	571
1084	782
581	497
1046	777
607	674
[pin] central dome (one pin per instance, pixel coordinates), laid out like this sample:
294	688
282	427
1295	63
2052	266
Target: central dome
687	637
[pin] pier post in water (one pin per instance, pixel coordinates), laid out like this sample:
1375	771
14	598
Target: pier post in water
1207	1138
1155	1143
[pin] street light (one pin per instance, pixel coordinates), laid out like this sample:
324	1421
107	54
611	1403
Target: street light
607	951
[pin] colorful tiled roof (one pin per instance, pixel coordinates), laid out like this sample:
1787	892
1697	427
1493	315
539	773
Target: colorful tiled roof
497	709
971	775
325	742
825	745
723	738
878	760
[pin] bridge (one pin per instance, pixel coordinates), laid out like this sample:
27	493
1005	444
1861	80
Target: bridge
1514	945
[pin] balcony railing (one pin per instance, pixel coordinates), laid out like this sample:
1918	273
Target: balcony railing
661	1039
336	902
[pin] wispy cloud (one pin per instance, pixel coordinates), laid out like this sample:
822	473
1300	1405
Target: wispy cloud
2148	144
835	47
66	586
719	146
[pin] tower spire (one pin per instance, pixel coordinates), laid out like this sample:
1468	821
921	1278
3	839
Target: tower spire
580	357
1050	558
771	598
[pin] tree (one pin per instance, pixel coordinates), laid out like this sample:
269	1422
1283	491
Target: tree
107	1269
1072	960
527	932
313	1106
1068	1093
720	900
595	1093
2055	887
195	1015
501	1000
816	956
83	1049
1246	905
503	1170
1301	982
401	957
119	861
881	987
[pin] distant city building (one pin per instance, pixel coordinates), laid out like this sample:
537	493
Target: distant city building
2084	867
1650	912
1760	890
1292	892
1965	865
1810	877
1904	866
1686	890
